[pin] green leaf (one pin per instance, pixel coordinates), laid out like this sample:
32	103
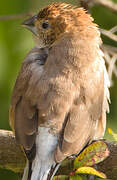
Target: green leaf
112	133
60	177
92	155
90	170
75	177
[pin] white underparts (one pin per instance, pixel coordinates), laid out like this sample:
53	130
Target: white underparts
45	146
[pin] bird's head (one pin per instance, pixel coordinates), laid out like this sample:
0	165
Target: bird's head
55	20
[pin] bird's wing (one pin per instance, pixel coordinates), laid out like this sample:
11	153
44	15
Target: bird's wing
18	91
86	119
22	114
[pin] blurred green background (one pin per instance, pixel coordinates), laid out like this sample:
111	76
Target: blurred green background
16	41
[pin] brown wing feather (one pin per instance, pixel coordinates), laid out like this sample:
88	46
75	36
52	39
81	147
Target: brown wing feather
23	114
18	91
79	130
25	123
87	117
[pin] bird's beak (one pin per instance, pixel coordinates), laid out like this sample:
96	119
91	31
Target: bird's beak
30	24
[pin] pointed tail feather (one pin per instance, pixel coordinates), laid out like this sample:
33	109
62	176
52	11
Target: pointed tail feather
39	174
26	171
30	154
53	171
42	165
44	170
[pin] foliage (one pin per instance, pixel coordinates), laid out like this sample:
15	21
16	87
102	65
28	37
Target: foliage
113	134
90	156
93	154
90	170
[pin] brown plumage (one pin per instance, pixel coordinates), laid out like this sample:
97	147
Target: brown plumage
68	93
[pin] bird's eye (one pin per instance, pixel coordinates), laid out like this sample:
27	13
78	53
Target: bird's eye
45	25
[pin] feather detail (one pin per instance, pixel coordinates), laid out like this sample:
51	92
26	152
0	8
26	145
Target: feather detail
26	171
44	162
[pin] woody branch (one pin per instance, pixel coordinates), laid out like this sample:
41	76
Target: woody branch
105	3
15	16
110	52
13	158
84	3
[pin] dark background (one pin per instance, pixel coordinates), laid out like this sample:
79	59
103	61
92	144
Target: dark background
16	41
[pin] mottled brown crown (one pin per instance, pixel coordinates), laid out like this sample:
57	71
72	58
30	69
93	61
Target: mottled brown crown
62	18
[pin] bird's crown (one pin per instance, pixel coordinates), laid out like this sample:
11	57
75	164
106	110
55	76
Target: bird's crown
57	19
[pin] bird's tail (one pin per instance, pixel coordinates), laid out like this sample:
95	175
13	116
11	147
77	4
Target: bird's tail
43	170
42	165
40	171
26	171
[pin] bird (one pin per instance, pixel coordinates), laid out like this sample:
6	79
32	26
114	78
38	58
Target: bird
61	95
